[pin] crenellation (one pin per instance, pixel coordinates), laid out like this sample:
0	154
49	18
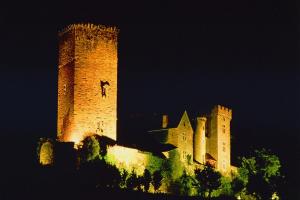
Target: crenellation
222	110
108	33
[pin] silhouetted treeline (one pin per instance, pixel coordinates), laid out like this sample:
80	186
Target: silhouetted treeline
22	178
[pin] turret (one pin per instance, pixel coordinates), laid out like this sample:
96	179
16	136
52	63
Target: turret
199	140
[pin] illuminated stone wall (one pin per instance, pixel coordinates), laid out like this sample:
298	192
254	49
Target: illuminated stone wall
218	142
66	58
87	82
182	137
132	159
127	158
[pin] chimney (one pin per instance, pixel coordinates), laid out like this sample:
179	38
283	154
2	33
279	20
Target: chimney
165	121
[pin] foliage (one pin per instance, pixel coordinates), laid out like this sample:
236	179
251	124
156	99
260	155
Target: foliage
260	174
157	179
111	176
146	179
154	163
104	142
98	173
225	188
237	185
269	164
173	167
207	180
90	149
124	176
133	181
186	183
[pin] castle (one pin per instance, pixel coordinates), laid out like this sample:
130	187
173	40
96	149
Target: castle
87	103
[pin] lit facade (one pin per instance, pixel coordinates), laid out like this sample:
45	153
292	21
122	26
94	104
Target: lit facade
87	104
208	141
87	82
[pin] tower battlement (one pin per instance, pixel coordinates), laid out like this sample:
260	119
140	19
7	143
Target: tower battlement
222	110
109	32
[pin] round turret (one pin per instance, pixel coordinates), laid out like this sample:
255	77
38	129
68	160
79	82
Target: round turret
199	140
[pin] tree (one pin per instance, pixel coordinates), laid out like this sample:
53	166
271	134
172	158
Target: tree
186	183
90	149
111	176
104	143
99	173
261	174
146	179
156	180
133	181
173	168
225	188
208	180
124	176
237	185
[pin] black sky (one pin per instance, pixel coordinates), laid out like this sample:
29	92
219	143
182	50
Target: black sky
173	55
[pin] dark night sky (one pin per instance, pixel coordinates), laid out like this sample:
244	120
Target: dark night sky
172	56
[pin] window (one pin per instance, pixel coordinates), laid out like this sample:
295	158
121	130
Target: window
104	87
100	126
65	89
183	136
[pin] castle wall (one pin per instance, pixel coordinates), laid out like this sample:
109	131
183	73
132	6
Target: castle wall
94	80
127	158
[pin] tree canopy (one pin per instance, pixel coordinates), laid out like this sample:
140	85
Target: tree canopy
259	174
208	180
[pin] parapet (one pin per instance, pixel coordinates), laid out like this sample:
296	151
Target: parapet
110	32
201	118
218	109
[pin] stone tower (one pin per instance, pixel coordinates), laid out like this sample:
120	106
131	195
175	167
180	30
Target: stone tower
87	82
218	140
200	140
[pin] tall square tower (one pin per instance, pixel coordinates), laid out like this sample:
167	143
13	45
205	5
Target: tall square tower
218	140
87	82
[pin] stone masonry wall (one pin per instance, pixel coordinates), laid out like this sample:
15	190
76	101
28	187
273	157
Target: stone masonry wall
182	137
65	85
94	81
219	139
